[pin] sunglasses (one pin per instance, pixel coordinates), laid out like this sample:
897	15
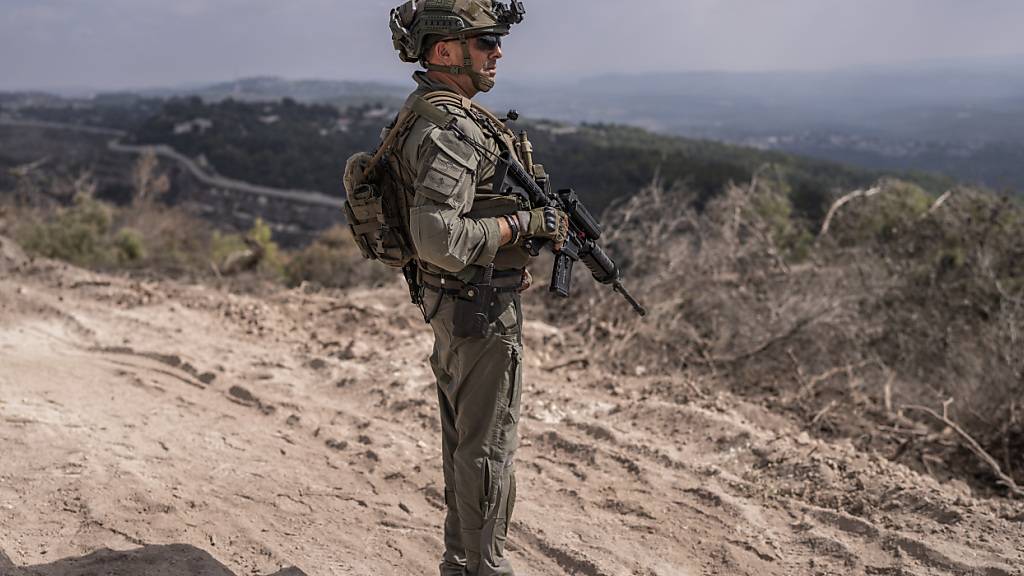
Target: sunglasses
487	42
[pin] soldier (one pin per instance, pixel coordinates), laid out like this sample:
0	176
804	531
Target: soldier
471	263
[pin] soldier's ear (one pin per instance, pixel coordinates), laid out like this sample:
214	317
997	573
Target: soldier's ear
442	53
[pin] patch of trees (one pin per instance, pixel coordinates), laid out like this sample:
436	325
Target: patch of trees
118	112
282	144
608	162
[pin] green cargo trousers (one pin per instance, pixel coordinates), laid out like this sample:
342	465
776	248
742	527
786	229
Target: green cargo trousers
479	383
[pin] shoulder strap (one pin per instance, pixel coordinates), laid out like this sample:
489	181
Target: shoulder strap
406	116
429	105
415	107
451	98
419	107
425	108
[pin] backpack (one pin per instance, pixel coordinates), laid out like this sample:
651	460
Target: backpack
377	205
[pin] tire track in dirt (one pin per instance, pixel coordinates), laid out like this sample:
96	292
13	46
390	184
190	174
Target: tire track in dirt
712	501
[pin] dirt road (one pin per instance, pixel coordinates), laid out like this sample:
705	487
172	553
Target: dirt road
162	428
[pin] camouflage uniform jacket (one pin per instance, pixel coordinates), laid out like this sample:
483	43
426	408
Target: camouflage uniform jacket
453	216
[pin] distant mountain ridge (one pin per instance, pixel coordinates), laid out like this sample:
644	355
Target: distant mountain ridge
268	88
729	104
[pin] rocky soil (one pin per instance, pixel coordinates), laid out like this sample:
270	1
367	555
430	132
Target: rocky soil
162	428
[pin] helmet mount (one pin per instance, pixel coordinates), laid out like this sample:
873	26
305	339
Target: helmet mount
511	14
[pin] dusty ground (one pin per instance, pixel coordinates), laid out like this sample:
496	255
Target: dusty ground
160	428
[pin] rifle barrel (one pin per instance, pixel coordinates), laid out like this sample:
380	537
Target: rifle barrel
629	298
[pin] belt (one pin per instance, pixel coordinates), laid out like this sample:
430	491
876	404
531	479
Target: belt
502	281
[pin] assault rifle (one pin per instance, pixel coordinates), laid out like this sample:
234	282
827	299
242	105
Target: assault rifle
584	229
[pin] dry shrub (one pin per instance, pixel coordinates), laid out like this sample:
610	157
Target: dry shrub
705	277
175	242
902	303
334	261
150	237
96	235
955	316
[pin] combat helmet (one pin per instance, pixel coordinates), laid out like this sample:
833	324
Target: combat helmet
416	22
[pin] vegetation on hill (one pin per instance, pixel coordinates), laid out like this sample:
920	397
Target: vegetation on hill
283	144
909	298
288	144
270	89
906	310
293	145
608	162
912	298
114	111
60	216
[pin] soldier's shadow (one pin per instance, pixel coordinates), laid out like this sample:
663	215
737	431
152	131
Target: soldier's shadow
171	560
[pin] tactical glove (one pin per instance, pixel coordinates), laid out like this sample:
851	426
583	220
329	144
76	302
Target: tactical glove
550	223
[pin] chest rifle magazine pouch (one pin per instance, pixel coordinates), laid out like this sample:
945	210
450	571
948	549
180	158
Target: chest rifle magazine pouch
473	305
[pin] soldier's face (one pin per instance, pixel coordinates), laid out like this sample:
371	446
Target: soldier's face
488	47
484	51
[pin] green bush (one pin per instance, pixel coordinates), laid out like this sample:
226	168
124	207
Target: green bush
129	248
78	234
96	235
263	236
883	217
167	241
223	245
788	233
258	242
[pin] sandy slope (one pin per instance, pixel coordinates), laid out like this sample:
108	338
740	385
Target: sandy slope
201	432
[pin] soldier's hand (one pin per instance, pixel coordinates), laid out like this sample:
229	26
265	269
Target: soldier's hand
550	223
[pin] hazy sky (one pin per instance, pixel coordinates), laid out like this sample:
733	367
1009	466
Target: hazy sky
149	43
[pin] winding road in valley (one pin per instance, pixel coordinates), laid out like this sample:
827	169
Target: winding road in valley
164	151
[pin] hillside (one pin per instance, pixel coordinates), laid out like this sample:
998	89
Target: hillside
960	118
244	434
289	144
842	400
781	411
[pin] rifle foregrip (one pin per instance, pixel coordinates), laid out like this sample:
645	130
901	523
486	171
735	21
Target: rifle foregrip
601	266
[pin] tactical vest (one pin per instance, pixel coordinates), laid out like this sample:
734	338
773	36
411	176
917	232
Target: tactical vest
378	208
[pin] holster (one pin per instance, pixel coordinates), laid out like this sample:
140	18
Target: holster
473	305
411	273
